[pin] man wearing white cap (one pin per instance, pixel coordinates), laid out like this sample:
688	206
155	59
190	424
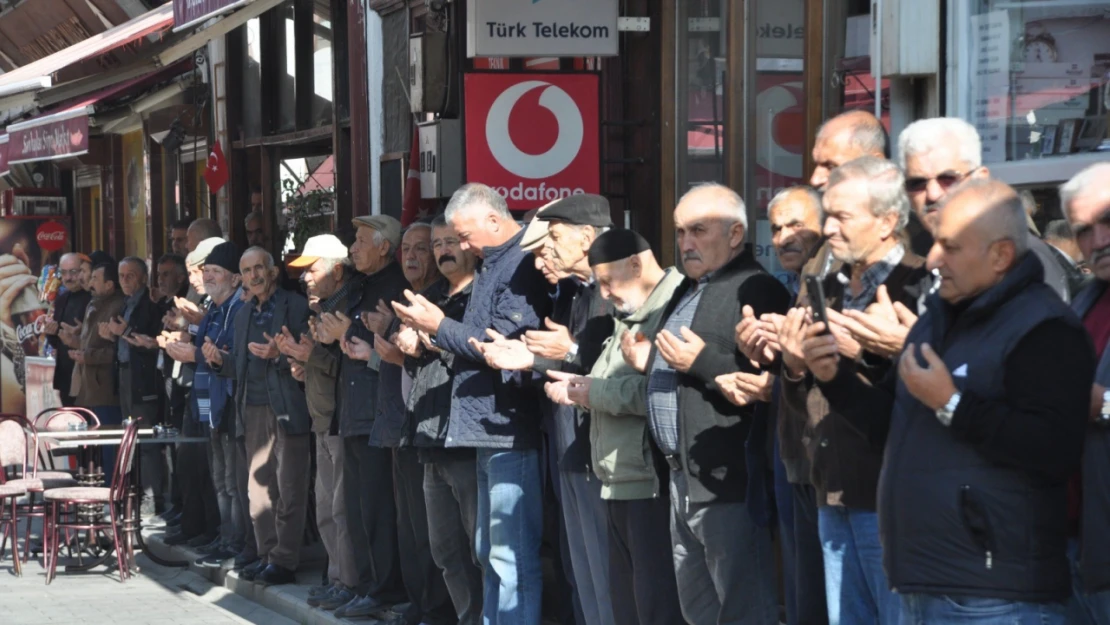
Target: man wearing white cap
327	273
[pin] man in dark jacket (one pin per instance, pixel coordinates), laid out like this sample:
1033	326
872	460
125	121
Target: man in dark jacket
69	308
866	212
1086	203
571	341
983	425
450	487
722	558
140	381
360	400
492	410
274	413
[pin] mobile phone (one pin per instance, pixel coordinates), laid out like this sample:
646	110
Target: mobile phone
815	291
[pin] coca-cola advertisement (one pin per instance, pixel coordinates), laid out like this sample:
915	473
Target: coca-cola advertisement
27	245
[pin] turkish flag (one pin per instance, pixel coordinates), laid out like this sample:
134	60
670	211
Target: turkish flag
215	173
411	208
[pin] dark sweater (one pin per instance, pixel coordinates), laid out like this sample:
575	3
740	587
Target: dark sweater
69	307
712	432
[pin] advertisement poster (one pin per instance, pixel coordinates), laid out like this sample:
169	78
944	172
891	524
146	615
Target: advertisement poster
26	245
134	193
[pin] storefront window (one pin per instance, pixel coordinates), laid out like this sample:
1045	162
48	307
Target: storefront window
700	82
779	113
1038	76
252	79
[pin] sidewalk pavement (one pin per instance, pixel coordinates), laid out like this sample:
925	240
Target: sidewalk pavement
153	595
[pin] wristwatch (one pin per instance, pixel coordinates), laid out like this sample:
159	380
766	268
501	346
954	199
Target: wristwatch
572	353
944	415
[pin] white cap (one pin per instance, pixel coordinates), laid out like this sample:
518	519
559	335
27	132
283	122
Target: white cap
320	246
197	257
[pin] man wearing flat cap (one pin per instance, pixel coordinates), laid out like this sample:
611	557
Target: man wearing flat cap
366	385
632	472
570	341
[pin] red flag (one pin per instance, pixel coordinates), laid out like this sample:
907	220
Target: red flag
411	209
216	174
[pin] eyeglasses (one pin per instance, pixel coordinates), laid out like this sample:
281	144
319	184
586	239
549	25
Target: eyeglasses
70	273
944	180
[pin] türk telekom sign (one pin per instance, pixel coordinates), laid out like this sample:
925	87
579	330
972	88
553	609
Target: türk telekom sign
541	28
189	12
48	139
533	137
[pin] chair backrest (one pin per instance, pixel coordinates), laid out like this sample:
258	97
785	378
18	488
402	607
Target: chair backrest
17	439
125	461
59	418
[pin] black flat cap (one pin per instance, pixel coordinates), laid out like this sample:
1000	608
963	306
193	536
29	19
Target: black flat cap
224	255
585	209
616	245
100	257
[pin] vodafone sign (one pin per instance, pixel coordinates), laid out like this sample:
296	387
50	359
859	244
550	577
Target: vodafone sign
533	137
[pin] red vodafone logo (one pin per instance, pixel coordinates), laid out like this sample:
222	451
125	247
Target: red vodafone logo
533	137
51	236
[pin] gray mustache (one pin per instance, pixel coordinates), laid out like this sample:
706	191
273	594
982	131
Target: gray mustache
691	256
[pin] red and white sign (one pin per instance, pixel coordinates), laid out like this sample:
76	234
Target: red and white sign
51	236
533	137
3	154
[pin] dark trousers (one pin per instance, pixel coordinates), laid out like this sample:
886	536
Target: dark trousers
372	519
561	600
200	513
175	416
642	584
242	479
429	601
152	456
811	607
451	495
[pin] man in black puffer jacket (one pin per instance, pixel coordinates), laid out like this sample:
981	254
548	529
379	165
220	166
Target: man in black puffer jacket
983	424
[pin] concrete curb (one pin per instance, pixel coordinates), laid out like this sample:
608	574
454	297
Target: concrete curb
287	601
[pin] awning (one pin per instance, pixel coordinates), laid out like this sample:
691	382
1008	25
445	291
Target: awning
62	133
38	75
188	13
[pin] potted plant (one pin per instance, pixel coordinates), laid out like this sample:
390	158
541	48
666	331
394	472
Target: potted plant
306	213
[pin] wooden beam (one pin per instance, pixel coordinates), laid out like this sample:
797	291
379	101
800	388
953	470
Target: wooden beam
813	77
735	85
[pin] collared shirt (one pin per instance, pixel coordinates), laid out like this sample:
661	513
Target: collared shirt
663	379
872	278
123	348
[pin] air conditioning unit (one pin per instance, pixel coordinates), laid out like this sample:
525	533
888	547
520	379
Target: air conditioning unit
428	72
440	158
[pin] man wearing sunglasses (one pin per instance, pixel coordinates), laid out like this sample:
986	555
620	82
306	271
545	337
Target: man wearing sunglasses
69	308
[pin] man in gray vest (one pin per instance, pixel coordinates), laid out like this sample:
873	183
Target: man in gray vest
1086	203
983	423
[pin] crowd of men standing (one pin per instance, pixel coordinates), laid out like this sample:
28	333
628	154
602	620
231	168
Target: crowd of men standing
921	420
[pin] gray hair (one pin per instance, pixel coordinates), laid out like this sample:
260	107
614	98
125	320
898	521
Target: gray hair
253	216
138	262
1080	182
473	194
808	192
1058	230
867	133
207	228
417	225
268	258
440	221
331	263
925	135
726	199
886	186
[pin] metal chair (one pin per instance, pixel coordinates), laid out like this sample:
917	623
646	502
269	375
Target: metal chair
59	419
9	495
118	497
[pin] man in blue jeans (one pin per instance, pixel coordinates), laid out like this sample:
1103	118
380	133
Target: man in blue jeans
493	411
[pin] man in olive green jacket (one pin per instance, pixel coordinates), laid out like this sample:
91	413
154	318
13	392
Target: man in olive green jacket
632	471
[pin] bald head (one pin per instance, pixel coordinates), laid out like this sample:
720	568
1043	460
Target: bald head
981	235
844	138
710	222
202	229
69	266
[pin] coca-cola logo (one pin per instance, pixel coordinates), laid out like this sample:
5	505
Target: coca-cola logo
51	236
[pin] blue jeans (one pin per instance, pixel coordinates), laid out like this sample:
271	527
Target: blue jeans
108	415
855	584
1085	609
920	609
508	535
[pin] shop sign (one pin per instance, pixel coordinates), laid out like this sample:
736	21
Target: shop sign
541	28
189	12
533	137
55	139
